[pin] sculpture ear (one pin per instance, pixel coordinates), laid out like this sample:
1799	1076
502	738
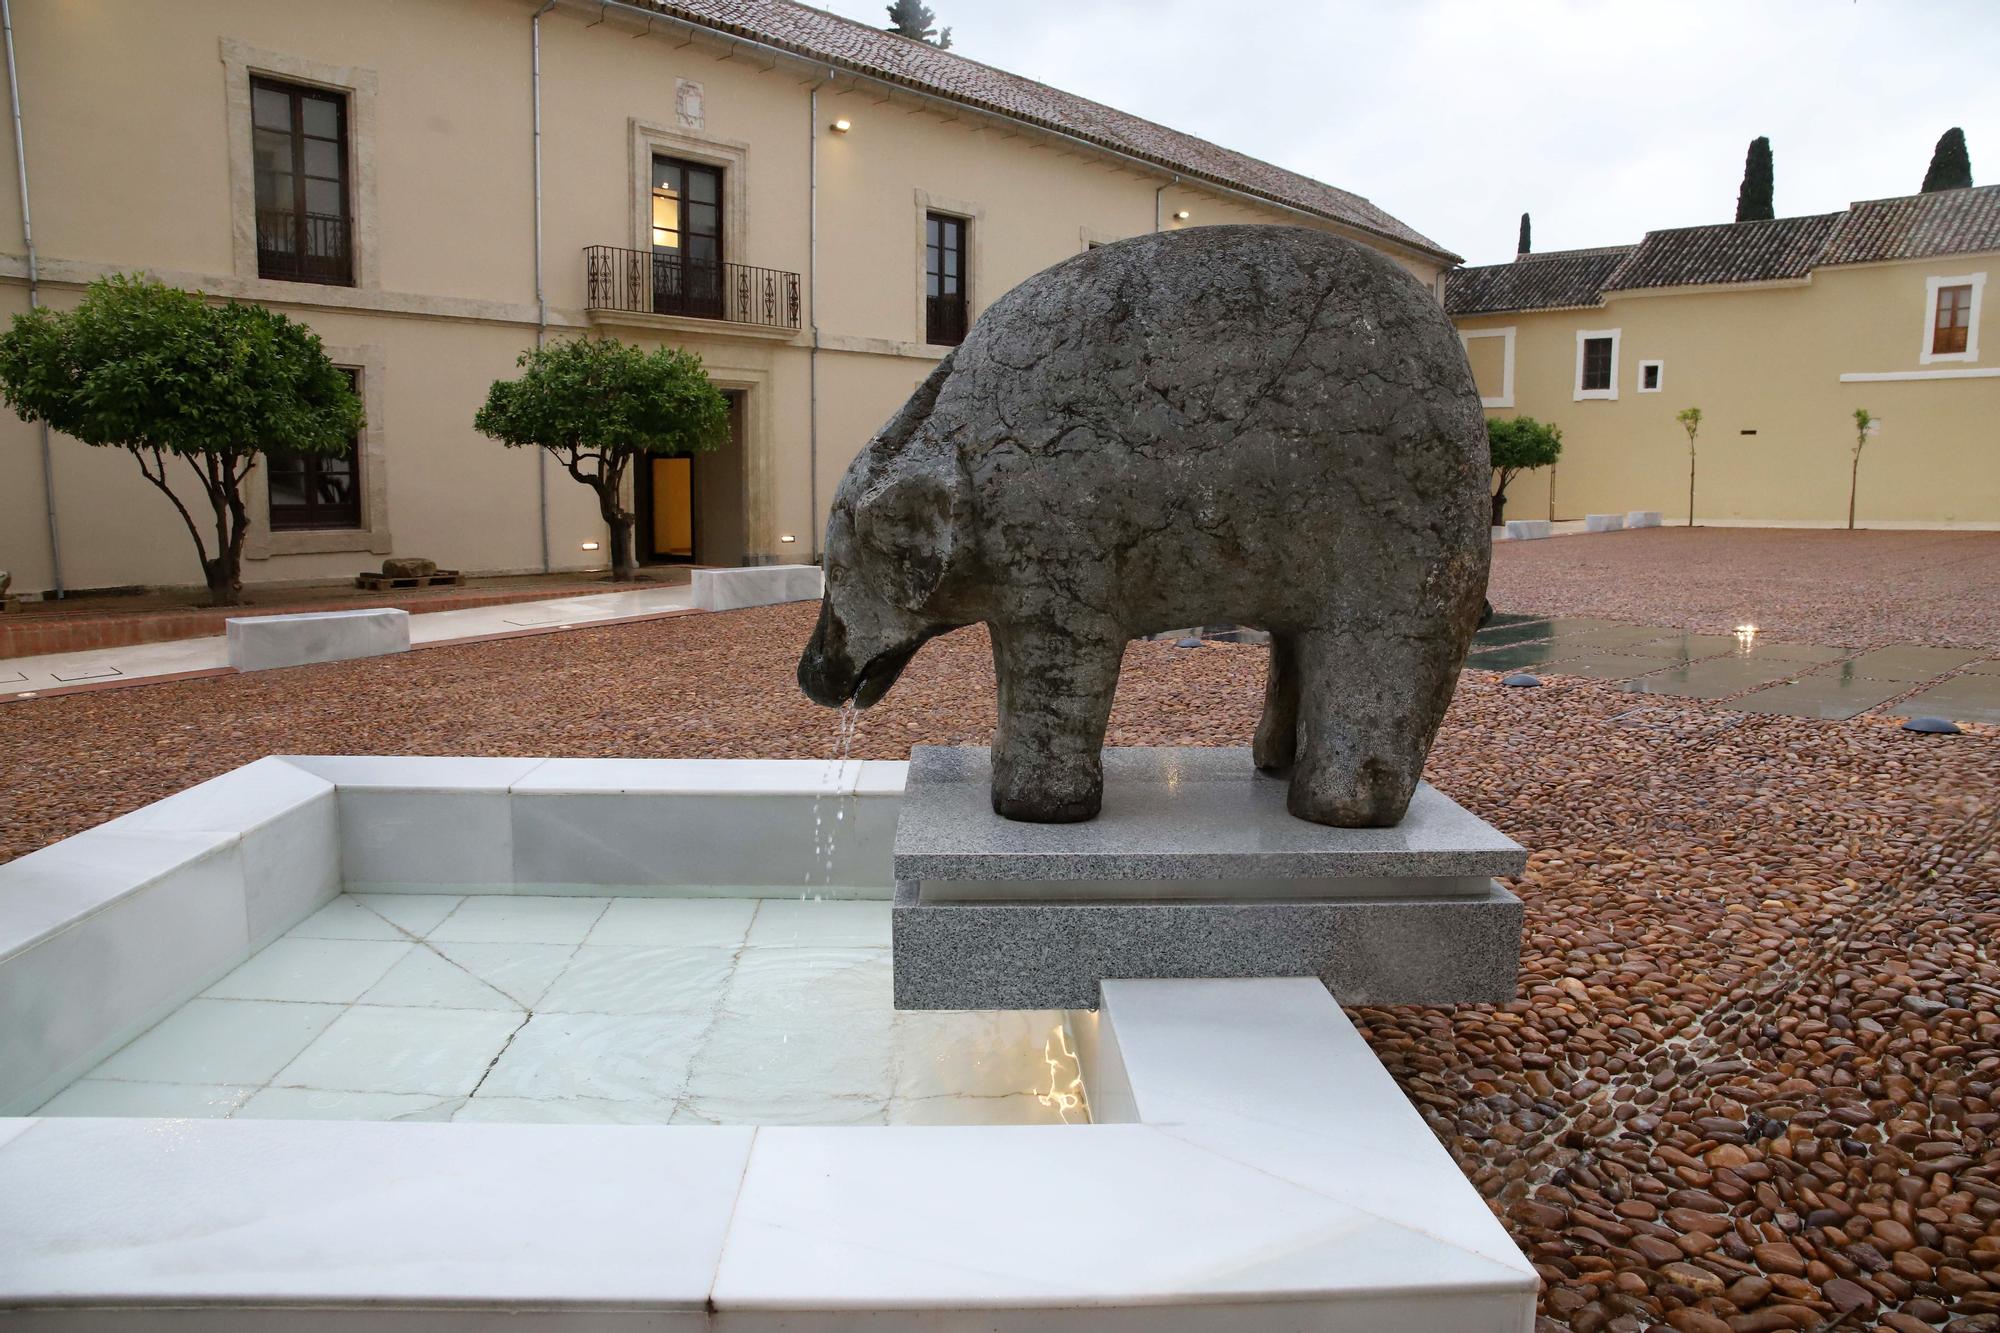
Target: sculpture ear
909	518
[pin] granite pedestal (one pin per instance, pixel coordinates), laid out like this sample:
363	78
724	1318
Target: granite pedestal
1604	522
1643	518
1528	529
1193	869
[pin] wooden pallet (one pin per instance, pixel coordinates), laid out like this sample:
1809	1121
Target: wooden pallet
444	578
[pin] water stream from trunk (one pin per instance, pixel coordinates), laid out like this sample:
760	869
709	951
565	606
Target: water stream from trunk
826	834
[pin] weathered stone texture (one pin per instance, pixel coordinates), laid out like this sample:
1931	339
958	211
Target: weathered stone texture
1266	426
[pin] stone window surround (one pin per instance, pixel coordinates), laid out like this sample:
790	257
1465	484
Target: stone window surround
759	465
262	542
1505	398
1932	286
973	263
651	138
240	61
1659	380
1608	393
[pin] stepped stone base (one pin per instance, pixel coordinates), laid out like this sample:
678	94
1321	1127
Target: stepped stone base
1193	870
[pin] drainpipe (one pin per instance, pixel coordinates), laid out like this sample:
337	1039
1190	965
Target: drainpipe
541	294
1159	204
812	303
34	285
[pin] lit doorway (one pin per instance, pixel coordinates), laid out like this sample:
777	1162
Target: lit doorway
691	509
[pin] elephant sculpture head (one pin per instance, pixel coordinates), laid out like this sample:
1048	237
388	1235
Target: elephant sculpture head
890	543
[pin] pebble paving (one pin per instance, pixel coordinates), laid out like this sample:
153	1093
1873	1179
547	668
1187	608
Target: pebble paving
1751	1080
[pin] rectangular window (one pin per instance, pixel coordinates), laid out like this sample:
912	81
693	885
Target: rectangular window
944	279
1596	365
299	143
315	490
687	238
1649	376
1953	325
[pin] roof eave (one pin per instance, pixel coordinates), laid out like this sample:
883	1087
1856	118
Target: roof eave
1423	245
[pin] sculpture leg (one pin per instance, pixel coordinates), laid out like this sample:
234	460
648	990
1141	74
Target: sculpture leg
1056	684
1368	708
1277	743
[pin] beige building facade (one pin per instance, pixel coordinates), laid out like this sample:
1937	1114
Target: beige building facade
814	206
1777	331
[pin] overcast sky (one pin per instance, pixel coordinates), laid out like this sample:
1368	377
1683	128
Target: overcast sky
1602	120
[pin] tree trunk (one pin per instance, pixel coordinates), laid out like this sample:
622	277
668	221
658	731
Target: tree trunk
225	581
1499	509
1853	484
1690	487
624	558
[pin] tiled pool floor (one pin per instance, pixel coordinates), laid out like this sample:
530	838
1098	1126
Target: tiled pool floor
624	1010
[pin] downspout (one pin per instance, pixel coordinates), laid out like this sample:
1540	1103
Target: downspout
812	303
1159	204
34	284
541	294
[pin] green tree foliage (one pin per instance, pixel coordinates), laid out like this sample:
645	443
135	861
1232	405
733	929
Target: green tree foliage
1690	419
1951	165
1753	197
1518	444
157	371
596	404
911	18
1523	245
1864	425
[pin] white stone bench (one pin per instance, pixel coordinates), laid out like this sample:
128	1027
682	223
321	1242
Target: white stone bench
755	585
257	643
1643	518
1604	522
1526	529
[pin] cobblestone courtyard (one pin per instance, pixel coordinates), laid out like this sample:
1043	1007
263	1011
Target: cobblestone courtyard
1752	1077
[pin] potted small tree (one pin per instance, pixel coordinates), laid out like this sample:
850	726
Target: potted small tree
1518	444
159	372
596	404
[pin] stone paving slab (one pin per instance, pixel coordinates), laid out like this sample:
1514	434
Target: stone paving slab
1830	697
1967	698
1714	680
1910	662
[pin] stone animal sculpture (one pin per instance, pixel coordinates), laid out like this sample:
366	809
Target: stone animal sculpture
1266	426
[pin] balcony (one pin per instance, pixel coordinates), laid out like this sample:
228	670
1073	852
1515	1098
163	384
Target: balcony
665	290
303	247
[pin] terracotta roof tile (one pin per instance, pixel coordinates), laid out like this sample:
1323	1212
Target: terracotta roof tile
1917	226
1550	281
1726	252
818	35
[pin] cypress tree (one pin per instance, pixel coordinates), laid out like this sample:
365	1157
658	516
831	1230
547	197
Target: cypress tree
1521	247
1753	198
1951	167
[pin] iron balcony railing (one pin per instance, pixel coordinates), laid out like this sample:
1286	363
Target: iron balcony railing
303	247
944	320
643	282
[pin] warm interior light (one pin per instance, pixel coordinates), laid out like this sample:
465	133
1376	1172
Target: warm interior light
590	546
666	218
843	125
1181	216
788	537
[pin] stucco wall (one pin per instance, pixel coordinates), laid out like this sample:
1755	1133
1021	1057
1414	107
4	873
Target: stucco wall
136	163
1768	360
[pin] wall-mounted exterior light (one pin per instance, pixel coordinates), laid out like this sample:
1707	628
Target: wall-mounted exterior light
1181	216
788	537
590	546
843	125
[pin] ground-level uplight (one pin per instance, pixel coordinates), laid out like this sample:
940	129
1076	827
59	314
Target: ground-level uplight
1521	680
1932	726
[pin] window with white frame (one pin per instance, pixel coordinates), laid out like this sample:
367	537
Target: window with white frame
1496	387
1596	364
1650	373
1951	318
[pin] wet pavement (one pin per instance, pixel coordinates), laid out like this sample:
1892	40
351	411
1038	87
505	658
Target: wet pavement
1745	672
